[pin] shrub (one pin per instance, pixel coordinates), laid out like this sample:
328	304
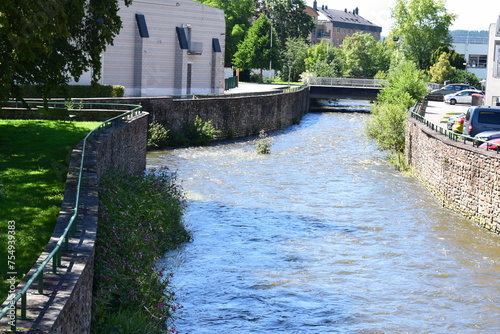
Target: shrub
264	143
140	218
157	135
200	133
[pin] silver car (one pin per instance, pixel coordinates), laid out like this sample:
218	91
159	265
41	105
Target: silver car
463	96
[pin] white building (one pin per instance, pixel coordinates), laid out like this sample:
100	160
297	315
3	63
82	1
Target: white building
167	47
493	70
473	45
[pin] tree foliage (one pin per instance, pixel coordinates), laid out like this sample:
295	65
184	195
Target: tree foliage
294	56
422	26
289	19
456	59
363	56
387	125
255	50
323	60
237	14
49	42
441	70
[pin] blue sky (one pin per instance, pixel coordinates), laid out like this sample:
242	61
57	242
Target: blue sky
472	15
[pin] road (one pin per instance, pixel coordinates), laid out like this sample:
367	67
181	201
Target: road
439	112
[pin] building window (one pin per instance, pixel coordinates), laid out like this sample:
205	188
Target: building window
181	35
216	45
496	59
477	60
142	26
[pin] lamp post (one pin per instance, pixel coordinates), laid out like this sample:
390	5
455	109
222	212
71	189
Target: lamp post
271	51
465	76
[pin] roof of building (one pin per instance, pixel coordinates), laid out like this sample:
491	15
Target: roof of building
346	19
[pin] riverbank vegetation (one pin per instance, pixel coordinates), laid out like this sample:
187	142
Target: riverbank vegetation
34	155
140	218
198	133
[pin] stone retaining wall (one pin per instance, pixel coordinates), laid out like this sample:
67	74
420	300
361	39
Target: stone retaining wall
65	306
464	178
233	116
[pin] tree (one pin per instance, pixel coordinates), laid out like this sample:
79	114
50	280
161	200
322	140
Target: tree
238	15
363	56
290	19
255	50
323	60
387	124
294	57
422	26
456	59
49	42
441	70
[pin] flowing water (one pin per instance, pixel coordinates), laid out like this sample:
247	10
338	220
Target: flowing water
323	236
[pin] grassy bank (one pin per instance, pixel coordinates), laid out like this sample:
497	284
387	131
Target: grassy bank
34	157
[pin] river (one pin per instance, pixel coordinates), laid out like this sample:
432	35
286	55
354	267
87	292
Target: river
324	236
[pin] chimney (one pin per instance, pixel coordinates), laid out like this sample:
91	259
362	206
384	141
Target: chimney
326	7
315	5
357	11
323	7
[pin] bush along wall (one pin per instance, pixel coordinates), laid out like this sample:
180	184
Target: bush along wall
140	218
75	91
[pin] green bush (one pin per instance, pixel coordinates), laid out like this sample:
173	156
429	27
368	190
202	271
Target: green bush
157	135
140	218
75	91
264	143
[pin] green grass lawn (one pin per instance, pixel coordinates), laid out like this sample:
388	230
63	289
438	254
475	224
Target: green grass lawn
34	156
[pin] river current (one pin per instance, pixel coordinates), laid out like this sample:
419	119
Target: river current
323	236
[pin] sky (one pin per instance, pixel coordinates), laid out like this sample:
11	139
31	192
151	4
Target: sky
472	15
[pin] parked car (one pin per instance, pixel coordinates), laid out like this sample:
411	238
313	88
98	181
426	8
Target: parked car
481	118
481	137
438	94
458	126
451	121
463	96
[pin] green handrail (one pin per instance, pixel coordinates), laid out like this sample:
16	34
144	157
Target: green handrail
55	255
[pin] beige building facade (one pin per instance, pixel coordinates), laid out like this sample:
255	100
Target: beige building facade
167	47
492	96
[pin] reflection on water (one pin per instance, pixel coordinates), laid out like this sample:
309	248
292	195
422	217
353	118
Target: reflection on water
322	236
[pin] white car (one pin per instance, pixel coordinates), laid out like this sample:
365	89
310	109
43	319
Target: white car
463	96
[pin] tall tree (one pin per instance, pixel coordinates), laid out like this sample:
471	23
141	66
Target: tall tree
238	15
289	18
442	69
47	42
363	56
422	26
293	58
324	60
455	58
255	50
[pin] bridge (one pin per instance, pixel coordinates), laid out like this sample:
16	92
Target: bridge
344	88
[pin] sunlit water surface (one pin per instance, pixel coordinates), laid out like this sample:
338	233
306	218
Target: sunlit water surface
323	236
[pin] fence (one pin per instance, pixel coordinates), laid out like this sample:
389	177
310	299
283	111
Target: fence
10	309
347	82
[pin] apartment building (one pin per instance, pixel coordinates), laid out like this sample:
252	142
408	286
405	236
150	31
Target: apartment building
335	25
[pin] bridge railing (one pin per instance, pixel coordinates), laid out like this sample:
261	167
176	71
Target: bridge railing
347	82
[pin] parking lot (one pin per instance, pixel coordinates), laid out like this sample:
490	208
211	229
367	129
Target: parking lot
439	112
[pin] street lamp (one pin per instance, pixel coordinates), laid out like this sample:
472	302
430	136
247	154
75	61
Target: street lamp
465	79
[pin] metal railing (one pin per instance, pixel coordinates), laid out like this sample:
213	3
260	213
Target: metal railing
347	82
55	255
451	134
289	89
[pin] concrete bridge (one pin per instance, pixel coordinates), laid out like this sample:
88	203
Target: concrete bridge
344	88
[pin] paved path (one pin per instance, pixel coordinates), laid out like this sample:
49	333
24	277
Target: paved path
439	112
247	87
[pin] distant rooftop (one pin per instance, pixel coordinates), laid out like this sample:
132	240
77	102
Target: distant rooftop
345	18
470	36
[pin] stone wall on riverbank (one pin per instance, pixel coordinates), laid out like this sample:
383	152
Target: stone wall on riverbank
233	115
464	178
